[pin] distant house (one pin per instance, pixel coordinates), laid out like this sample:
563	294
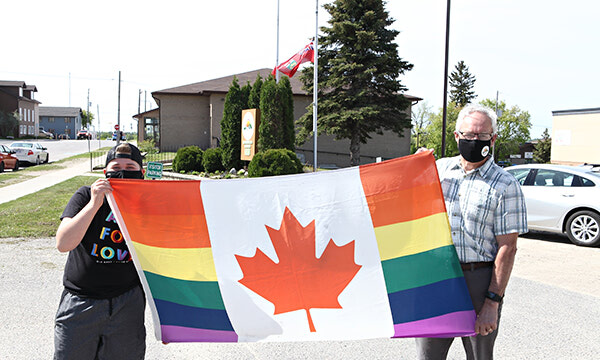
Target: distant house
63	122
574	136
17	97
191	115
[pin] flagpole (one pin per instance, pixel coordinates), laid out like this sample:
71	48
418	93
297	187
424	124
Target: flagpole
315	82
277	55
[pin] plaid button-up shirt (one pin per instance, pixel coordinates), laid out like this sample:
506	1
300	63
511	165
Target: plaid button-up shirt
481	204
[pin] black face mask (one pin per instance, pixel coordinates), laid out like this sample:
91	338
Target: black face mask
125	174
474	151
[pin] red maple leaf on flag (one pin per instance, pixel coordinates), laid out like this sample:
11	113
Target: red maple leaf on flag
299	280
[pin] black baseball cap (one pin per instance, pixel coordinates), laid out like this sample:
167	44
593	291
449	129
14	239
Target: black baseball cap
125	150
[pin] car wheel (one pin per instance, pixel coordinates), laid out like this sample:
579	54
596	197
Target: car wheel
1	167
16	168
47	158
37	160
583	228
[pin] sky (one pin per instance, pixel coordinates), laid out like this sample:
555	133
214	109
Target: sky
538	55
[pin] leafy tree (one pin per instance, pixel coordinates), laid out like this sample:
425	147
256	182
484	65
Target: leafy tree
359	91
541	152
421	118
231	125
86	119
254	97
9	123
461	85
270	130
513	128
433	137
284	88
274	162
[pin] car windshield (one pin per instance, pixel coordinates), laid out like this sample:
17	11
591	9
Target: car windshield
23	145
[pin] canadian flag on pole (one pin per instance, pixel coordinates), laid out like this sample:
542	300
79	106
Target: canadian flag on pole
290	66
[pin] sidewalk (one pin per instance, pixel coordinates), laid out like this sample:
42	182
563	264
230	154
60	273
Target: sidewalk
12	192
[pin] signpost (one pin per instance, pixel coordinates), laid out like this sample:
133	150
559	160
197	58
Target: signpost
154	170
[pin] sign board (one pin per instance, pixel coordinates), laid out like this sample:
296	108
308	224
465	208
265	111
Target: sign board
117	127
515	156
250	122
154	170
528	155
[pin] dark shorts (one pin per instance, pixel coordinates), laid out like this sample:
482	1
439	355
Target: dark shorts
100	328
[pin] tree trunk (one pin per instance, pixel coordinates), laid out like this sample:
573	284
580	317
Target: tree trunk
355	149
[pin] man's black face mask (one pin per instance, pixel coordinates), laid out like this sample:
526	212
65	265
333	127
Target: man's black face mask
125	174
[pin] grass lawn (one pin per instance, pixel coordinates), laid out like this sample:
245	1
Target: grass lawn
38	215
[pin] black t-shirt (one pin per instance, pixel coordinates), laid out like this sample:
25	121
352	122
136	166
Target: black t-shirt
100	266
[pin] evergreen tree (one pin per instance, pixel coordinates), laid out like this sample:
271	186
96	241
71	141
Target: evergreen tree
270	130
231	125
461	85
359	66
254	98
541	152
287	102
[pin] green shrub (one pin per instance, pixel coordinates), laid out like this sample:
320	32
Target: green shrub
274	162
148	146
188	159
212	160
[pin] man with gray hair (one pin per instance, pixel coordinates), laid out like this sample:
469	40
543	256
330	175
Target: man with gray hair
486	210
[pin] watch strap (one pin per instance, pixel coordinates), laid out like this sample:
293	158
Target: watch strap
494	297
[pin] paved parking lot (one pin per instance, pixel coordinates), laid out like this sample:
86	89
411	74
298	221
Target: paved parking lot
551	310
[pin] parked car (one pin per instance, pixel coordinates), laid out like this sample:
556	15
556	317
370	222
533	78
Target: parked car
63	137
561	199
83	134
31	152
44	133
7	159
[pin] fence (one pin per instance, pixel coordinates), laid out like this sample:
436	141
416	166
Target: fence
98	158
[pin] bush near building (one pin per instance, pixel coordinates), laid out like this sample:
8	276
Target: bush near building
274	162
212	160
188	159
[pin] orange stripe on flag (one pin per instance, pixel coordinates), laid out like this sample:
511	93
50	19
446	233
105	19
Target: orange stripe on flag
402	189
166	214
405	205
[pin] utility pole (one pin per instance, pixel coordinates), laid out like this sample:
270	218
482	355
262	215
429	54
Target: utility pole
145	100
119	112
98	132
445	106
89	122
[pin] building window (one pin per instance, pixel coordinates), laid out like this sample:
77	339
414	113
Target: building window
67	120
50	119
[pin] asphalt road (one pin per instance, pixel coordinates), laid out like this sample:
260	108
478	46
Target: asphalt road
551	310
60	149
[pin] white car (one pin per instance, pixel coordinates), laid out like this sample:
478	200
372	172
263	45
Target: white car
561	199
31	152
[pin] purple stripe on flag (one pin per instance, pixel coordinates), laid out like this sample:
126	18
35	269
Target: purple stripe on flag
461	323
172	333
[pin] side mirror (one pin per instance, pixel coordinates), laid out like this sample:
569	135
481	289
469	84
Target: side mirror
44	148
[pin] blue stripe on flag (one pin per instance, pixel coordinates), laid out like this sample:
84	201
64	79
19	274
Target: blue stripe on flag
431	300
200	318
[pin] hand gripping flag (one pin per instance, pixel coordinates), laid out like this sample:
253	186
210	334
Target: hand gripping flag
356	253
290	66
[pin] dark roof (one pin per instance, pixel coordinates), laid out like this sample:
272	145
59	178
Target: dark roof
576	111
59	111
12	83
144	113
221	85
31	88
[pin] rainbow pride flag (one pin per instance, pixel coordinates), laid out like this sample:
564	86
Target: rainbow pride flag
356	253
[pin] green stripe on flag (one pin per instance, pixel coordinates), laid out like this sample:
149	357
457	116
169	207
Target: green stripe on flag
421	269
200	294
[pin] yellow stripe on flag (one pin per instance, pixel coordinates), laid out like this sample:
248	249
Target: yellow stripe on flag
184	264
413	237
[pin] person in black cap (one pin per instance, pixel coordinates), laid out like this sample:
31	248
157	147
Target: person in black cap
101	310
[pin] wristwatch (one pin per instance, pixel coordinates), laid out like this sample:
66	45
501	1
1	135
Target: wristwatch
494	297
